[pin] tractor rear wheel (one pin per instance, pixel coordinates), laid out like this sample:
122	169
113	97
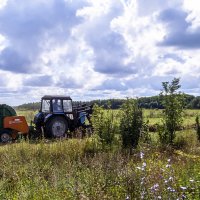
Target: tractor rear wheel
56	127
5	136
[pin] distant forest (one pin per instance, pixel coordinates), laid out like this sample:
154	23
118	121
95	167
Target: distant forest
153	102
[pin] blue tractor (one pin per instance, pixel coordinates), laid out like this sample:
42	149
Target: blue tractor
58	117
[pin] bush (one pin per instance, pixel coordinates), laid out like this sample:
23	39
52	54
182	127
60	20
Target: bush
105	124
93	144
131	123
173	103
198	128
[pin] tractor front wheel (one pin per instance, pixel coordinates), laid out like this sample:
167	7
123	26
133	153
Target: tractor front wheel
5	136
56	127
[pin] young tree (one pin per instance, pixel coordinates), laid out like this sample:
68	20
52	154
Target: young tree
173	102
131	123
104	124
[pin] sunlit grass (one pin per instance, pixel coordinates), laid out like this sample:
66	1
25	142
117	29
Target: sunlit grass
84	169
81	169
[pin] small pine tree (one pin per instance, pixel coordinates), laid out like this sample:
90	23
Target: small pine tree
131	123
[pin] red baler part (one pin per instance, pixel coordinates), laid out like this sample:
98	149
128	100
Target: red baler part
17	123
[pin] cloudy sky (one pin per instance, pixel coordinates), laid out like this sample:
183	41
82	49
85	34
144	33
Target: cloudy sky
97	49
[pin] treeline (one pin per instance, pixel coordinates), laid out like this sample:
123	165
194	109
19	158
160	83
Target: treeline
153	102
29	106
112	103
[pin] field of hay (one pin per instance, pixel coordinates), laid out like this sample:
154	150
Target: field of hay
85	169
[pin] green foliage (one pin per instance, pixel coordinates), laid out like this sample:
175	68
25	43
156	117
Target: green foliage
67	170
29	106
131	123
198	127
104	122
93	144
194	103
173	103
186	140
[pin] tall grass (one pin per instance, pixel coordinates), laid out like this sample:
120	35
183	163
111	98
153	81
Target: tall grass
86	169
81	169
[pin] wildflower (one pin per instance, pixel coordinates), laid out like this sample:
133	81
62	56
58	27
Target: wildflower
167	166
170	178
144	164
155	187
168	160
183	188
159	197
171	189
183	196
191	180
141	155
138	168
142	180
128	197
142	194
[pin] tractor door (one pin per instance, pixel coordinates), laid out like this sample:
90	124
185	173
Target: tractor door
45	107
67	107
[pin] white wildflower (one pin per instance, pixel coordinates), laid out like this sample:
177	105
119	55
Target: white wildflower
183	188
167	166
141	155
154	187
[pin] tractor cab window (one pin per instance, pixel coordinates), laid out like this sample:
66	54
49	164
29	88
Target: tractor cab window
67	105
57	105
46	106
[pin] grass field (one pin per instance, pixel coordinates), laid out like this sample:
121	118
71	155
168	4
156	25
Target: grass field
154	116
84	169
80	169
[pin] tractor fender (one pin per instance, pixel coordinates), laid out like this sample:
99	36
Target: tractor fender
50	116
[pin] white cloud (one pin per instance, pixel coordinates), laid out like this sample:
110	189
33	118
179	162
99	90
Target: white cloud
193	9
2	3
95	49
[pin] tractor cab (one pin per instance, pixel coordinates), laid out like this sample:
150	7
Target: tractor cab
56	104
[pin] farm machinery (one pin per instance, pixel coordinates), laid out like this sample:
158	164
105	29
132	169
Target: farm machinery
57	118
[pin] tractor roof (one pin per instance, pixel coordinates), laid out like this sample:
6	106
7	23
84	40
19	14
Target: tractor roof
50	97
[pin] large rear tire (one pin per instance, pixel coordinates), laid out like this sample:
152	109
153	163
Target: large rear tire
5	136
56	127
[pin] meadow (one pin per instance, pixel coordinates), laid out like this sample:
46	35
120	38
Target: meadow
86	169
153	115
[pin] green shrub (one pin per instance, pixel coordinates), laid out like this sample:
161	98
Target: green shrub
131	123
92	144
173	103
180	142
105	124
197	127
